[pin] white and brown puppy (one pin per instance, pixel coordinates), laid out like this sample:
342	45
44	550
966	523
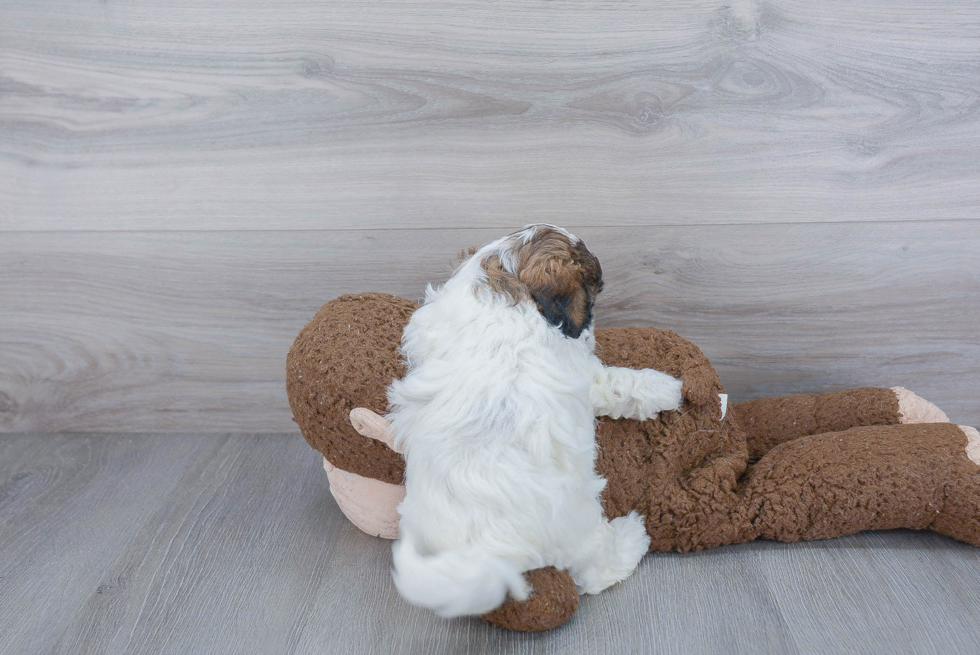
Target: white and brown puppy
496	418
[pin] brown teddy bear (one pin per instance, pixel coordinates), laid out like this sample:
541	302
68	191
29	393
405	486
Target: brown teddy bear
789	468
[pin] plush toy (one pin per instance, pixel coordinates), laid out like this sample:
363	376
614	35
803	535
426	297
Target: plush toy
790	468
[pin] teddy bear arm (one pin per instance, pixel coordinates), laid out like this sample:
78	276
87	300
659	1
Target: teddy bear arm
768	422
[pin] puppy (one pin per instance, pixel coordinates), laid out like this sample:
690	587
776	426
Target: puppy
496	419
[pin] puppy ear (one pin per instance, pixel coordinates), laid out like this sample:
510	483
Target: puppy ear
461	258
501	281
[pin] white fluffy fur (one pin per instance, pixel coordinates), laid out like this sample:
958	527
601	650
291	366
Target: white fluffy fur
496	419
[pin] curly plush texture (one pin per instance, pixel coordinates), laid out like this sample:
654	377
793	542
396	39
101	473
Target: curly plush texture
773	421
792	468
672	468
346	357
553	601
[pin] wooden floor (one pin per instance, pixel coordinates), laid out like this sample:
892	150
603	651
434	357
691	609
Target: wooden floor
136	543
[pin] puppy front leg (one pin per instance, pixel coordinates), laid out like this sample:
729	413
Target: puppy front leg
630	393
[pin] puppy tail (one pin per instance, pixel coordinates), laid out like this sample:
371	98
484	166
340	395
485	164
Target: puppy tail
458	582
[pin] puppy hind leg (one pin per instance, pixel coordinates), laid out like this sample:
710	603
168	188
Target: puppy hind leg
612	553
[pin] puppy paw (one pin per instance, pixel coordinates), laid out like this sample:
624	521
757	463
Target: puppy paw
632	541
627	542
637	394
656	392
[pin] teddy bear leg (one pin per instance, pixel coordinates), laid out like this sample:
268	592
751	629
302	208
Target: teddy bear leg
960	516
866	478
768	422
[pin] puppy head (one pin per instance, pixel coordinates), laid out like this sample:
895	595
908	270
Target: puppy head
554	269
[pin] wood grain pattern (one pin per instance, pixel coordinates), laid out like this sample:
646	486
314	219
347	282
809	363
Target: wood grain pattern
68	505
189	331
201	575
232	544
297	115
791	185
815	589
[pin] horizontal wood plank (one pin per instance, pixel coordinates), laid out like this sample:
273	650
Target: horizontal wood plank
184	115
231	543
188	331
206	573
69	504
815	587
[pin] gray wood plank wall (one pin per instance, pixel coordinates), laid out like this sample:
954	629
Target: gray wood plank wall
794	186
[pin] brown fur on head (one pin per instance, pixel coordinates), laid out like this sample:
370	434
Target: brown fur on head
555	270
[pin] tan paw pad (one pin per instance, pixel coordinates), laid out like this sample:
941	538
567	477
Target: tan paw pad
915	409
972	443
